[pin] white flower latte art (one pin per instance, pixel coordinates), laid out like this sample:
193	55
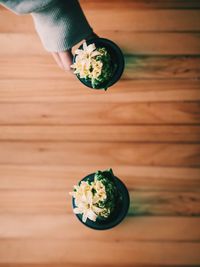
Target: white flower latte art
87	196
92	64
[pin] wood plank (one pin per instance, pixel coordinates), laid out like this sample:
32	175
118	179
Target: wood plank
54	131
155	43
60	90
137	67
67	227
130	42
160	4
82	265
105	133
148	67
153	4
63	153
59	202
42	251
62	265
99	113
143	20
164	203
77	265
159	203
133	19
23	177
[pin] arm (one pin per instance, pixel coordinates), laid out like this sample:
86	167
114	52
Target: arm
60	24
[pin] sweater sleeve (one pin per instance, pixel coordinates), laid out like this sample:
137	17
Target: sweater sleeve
60	24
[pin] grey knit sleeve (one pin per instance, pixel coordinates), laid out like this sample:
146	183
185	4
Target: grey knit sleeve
60	24
22	7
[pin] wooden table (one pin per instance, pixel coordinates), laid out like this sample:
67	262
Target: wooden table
54	131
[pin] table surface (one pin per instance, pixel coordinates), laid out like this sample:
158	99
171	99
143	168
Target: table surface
54	131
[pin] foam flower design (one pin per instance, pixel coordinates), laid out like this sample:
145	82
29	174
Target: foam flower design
92	199
88	51
92	64
85	61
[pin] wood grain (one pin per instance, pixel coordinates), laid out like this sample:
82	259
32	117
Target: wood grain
100	113
138	229
50	251
142	4
58	202
135	20
54	131
62	90
138	43
123	153
137	67
106	133
139	178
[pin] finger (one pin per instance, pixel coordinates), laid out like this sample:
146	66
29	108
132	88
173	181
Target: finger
57	59
66	59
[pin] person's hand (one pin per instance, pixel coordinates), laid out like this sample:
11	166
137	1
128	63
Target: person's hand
64	59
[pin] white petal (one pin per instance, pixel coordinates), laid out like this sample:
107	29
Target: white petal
95	53
91	48
95	199
91	215
83	198
97	209
85	46
77	201
78	51
87	64
84	217
83	183
77	211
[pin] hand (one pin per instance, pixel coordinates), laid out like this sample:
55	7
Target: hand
64	59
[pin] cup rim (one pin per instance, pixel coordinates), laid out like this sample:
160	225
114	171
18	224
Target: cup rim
118	56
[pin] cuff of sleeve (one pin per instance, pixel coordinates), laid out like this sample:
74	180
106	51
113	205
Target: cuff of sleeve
61	26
